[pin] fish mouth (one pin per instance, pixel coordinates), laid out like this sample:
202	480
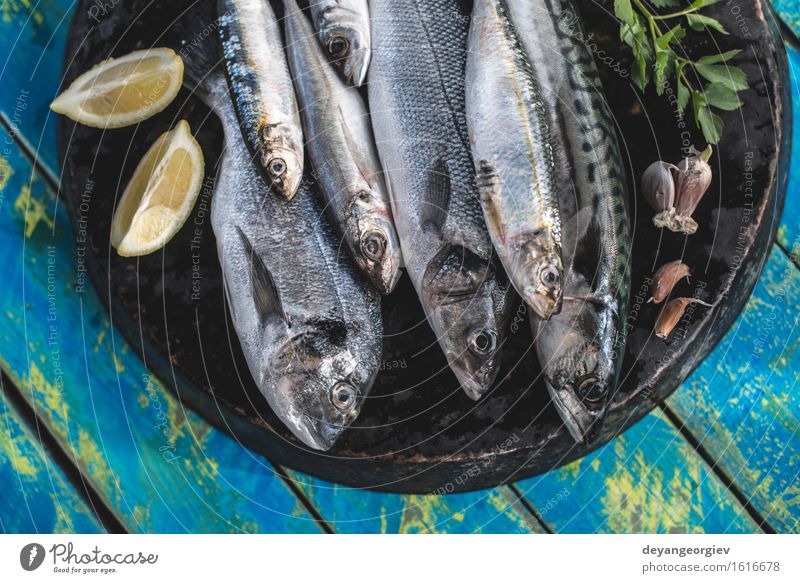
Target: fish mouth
582	421
476	384
355	71
545	303
315	433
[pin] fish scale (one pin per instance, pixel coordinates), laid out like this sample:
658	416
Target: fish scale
417	99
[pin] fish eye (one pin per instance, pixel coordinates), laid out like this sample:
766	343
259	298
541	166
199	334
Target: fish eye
338	47
550	277
343	397
481	341
373	245
277	167
592	392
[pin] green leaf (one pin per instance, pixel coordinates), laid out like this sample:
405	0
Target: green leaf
718	58
624	11
700	22
683	96
665	3
722	97
665	59
674	35
703	3
732	77
711	124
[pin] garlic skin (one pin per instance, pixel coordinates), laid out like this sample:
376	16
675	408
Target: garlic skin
658	186
692	180
666	278
672	313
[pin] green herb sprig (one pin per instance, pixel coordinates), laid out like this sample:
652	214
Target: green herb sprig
653	37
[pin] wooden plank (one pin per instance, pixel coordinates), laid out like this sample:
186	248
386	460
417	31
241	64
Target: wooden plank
789	232
348	510
789	12
648	480
159	467
34	36
37	497
742	403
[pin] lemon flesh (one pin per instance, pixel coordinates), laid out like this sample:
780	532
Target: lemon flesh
123	91
161	194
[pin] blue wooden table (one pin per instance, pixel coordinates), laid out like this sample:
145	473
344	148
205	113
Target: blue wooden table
90	442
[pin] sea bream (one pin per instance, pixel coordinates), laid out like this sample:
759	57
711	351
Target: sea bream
262	90
416	95
580	349
342	151
508	129
308	324
343	28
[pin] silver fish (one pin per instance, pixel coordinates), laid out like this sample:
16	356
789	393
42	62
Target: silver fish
508	128
580	349
416	94
262	90
342	150
309	326
343	28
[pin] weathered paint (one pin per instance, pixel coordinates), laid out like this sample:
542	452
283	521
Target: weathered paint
348	510
34	36
36	496
742	403
789	232
648	479
789	12
159	467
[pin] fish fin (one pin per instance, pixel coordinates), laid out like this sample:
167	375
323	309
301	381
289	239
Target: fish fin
262	285
436	202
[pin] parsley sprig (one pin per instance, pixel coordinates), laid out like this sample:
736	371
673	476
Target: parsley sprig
654	38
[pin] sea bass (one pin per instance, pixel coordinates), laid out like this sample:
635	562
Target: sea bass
508	129
343	28
416	93
262	90
342	150
309	326
581	349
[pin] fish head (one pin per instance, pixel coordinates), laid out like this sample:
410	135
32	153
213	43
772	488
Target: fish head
540	280
282	156
459	293
580	361
320	387
378	253
346	41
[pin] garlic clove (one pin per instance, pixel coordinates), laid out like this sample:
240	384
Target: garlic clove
658	186
672	313
666	278
692	179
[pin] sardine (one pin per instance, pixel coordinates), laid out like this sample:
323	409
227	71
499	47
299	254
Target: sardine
581	349
342	151
416	94
262	90
508	129
343	28
309	325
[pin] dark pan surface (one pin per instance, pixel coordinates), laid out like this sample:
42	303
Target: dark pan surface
418	432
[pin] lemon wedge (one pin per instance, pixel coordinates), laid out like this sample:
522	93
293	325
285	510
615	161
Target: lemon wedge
123	91
161	194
